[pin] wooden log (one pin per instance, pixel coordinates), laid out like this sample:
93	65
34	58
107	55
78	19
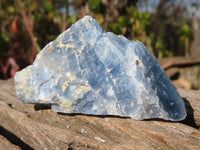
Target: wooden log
172	72
192	102
38	128
5	144
178	61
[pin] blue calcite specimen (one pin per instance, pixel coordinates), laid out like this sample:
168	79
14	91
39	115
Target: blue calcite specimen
89	71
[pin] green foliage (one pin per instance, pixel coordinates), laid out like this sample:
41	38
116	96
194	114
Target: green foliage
4	43
134	24
139	19
95	5
124	20
114	27
100	18
48	6
185	33
10	10
159	45
72	19
166	53
161	51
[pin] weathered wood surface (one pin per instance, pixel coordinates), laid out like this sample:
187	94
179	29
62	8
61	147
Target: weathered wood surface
178	61
28	126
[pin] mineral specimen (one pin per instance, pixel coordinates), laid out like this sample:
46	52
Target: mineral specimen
86	70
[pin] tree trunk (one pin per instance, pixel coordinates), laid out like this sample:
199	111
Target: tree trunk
186	47
195	46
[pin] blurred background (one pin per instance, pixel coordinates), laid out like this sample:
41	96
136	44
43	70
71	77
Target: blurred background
169	28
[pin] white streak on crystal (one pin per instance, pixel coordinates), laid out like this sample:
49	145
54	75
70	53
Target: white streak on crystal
110	92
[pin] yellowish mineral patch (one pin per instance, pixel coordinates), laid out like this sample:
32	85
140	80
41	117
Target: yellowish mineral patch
114	81
81	90
65	84
61	45
82	36
64	104
69	46
132	104
49	49
105	51
108	70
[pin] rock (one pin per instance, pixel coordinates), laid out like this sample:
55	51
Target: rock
89	71
39	128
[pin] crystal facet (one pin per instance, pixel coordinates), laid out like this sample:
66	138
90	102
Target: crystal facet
86	70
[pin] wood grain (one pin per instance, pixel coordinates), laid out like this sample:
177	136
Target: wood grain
35	127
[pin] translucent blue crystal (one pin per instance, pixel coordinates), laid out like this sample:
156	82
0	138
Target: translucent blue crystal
89	71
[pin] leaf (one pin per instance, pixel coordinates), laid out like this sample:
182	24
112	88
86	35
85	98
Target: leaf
95	5
124	20
48	6
185	30
4	42
10	10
